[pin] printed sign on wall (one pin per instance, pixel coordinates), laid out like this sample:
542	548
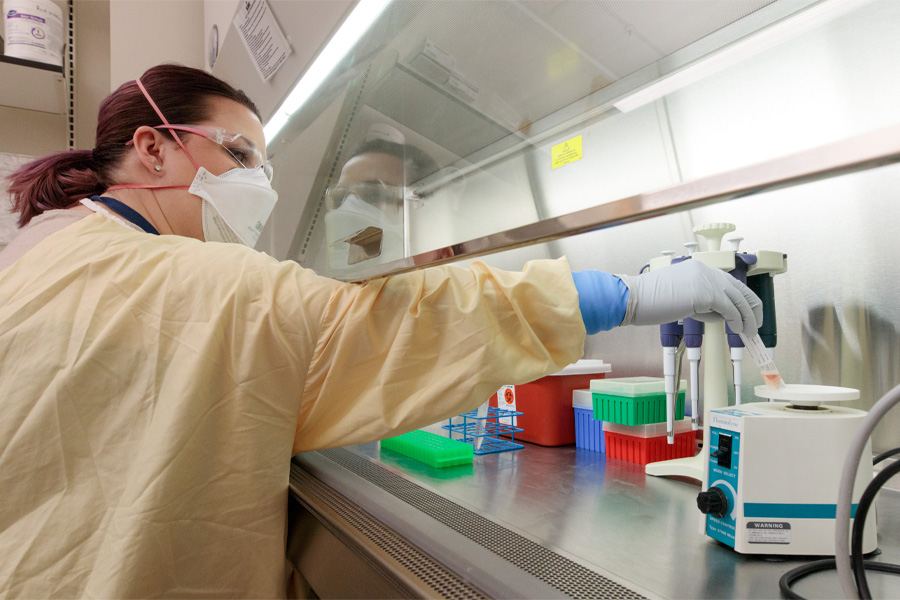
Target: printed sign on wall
262	37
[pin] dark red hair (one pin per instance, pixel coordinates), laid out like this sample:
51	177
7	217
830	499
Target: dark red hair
62	179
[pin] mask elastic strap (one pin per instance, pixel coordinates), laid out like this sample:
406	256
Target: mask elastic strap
166	122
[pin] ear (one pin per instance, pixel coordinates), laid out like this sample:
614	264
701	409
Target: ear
151	146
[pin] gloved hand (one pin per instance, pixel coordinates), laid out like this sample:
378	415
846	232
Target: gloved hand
691	289
602	298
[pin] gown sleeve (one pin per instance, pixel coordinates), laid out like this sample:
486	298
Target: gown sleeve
409	350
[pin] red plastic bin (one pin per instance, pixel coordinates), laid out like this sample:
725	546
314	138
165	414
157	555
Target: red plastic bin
547	403
643	448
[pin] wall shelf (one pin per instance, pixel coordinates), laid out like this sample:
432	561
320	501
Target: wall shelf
32	85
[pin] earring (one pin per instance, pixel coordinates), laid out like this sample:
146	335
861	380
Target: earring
158	168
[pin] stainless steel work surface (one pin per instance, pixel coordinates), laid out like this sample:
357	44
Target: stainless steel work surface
608	515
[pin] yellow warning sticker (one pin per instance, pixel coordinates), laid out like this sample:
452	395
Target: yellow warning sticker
566	152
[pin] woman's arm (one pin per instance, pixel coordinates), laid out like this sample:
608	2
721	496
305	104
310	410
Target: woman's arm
413	349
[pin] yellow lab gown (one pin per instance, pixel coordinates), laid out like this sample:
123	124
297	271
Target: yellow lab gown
153	390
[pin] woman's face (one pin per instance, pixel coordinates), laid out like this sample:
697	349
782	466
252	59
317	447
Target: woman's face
234	117
181	211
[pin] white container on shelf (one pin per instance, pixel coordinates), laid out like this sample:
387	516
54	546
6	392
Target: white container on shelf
33	30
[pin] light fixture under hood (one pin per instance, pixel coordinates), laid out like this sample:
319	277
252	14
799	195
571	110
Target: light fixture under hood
359	21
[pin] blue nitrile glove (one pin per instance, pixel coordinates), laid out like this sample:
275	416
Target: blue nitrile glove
602	298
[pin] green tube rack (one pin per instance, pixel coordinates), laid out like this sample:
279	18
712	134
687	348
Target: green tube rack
633	400
430	448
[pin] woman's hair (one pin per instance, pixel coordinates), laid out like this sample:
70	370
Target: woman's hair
62	179
417	164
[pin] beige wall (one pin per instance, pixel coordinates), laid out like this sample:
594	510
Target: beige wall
30	132
218	13
145	33
91	67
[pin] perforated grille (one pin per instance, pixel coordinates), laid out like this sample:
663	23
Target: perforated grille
70	74
444	582
558	571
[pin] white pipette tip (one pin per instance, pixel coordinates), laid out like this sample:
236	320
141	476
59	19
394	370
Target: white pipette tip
480	428
773	378
694	360
760	356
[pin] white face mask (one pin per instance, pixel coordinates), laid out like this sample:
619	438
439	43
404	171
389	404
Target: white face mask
236	204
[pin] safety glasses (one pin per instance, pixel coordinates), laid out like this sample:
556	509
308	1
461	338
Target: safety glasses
378	194
241	149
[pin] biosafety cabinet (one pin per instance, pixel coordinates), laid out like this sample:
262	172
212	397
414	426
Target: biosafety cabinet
601	131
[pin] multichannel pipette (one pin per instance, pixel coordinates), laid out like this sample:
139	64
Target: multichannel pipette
760	356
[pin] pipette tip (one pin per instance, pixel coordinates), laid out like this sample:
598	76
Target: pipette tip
760	356
773	379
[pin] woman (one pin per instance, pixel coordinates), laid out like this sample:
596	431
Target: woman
154	387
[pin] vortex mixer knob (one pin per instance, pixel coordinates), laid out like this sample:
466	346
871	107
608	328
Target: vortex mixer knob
713	502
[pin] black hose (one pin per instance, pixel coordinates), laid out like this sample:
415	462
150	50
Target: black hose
885	455
858	565
859	522
788	579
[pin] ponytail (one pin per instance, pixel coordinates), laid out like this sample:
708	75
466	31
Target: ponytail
56	181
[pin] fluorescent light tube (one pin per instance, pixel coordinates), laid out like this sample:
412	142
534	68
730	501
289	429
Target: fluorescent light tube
357	23
752	45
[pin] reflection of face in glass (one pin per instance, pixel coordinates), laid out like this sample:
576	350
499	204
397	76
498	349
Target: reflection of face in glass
366	207
370	183
373	166
373	198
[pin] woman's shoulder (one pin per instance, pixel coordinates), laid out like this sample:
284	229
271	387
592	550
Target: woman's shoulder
40	228
78	240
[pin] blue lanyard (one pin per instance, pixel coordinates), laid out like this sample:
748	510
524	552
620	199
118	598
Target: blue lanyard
127	212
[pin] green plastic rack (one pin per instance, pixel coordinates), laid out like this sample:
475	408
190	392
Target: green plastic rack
430	448
633	400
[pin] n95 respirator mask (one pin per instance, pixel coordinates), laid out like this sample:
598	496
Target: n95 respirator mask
236	204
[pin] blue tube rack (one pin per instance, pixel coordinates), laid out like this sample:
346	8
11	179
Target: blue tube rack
493	429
